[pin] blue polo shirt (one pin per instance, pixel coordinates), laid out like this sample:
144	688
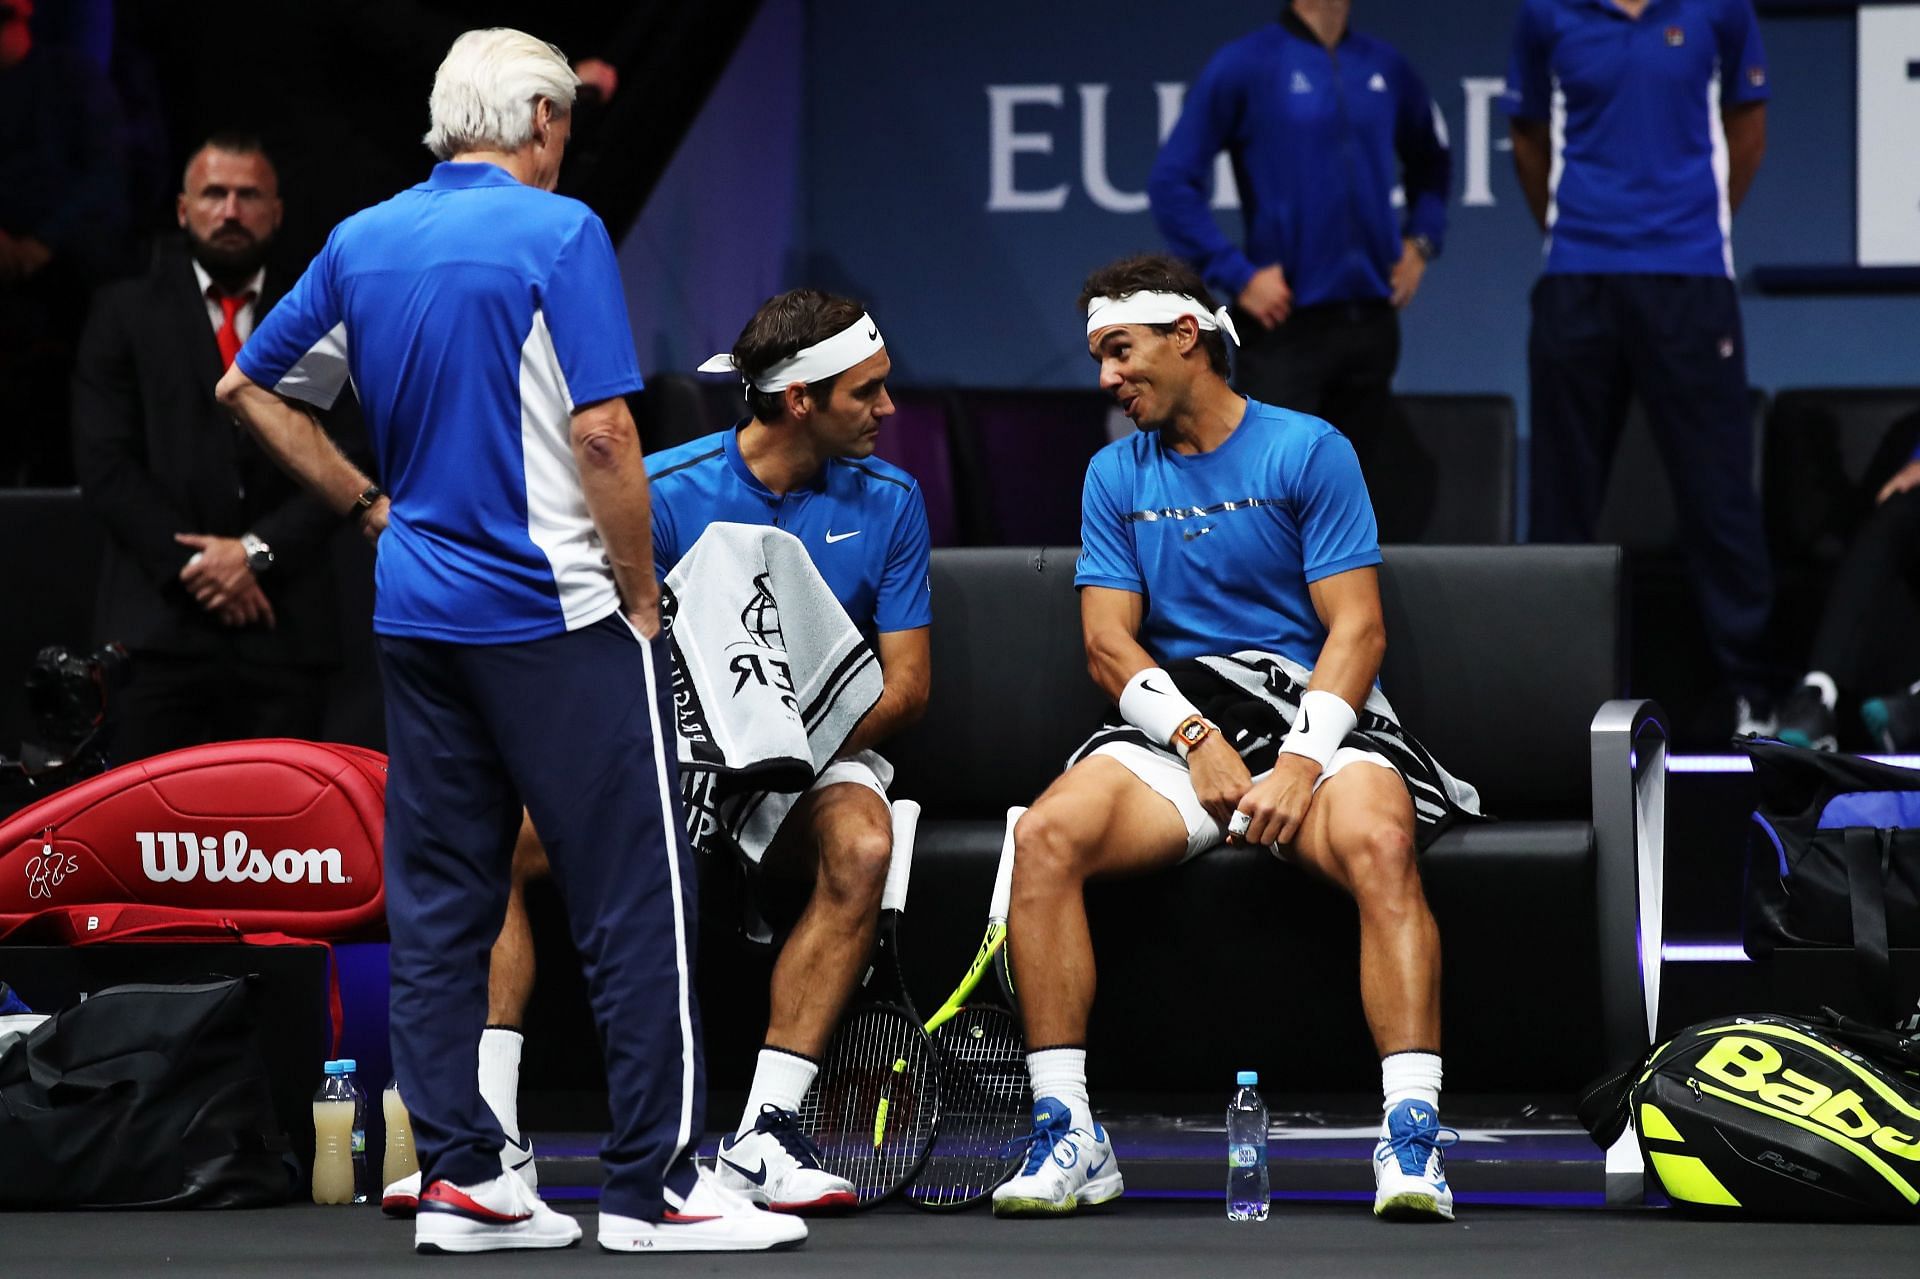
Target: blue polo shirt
1224	544
474	314
1322	140
1639	154
864	523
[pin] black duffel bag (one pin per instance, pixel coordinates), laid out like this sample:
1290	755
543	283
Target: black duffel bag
1775	1117
1834	859
142	1097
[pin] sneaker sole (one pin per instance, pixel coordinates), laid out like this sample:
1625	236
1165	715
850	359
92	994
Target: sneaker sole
1409	1206
838	1201
655	1243
488	1241
1092	1195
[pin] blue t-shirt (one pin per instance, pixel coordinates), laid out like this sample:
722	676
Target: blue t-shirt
1224	544
863	523
475	314
1639	152
1323	141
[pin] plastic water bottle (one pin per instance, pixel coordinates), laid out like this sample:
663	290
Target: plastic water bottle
1247	1193
401	1159
339	1137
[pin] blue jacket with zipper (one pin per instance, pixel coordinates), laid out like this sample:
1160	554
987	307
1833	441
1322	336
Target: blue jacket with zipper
1322	143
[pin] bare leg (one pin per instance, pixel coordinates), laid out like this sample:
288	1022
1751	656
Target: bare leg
511	968
1096	819
847	833
1358	833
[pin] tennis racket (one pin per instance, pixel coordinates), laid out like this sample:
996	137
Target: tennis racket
985	1106
872	1108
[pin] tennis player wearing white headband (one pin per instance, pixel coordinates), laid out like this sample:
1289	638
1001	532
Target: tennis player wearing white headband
1226	539
815	369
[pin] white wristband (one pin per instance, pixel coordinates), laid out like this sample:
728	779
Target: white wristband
1322	725
1153	705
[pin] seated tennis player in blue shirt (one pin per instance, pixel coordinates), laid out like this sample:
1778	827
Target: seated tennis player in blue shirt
1226	538
815	368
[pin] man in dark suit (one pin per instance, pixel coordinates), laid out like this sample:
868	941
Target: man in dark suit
217	570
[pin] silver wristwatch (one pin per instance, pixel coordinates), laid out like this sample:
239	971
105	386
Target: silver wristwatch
259	554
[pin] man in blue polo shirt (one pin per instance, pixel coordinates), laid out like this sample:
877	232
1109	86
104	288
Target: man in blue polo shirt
482	322
1230	603
1638	126
816	371
1326	127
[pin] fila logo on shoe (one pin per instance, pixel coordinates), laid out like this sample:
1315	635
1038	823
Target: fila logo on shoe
182	856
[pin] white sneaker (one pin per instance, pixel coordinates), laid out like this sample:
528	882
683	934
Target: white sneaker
1409	1176
1067	1168
402	1198
489	1217
710	1218
775	1164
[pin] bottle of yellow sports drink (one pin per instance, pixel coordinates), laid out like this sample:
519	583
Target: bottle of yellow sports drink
339	1138
401	1160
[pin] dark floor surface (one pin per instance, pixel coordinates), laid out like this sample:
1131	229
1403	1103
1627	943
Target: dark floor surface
1146	1238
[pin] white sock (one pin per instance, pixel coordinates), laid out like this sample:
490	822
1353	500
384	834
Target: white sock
1061	1073
1822	683
1410	1076
781	1079
500	1076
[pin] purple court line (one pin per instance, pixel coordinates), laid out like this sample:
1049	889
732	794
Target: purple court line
1741	764
1502	1198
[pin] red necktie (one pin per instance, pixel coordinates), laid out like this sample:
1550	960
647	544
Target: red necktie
228	335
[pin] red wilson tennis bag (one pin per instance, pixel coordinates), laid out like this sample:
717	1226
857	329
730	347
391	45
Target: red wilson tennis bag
274	836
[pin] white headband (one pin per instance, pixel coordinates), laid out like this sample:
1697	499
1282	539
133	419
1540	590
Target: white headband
810	364
1155	308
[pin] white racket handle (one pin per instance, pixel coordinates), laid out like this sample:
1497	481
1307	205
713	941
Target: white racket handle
906	824
1003	874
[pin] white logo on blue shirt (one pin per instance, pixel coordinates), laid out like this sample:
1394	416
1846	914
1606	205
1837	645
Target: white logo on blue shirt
1301	84
1378	84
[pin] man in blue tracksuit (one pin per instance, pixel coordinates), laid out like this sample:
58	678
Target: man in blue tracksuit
1324	126
481	320
1638	126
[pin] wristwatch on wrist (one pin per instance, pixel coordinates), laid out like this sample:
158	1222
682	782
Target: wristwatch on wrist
364	503
1192	731
1424	246
259	554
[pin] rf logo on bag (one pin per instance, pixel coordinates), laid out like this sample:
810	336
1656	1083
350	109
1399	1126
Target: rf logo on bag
45	872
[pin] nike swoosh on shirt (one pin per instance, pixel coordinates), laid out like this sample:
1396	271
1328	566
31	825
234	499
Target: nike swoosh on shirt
833	537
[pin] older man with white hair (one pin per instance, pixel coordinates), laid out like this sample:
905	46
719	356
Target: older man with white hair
482	321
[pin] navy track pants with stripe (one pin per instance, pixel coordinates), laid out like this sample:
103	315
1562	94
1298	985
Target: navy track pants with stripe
579	728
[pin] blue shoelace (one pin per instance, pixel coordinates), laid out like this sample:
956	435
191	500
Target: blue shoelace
784	1127
1418	1141
1040	1142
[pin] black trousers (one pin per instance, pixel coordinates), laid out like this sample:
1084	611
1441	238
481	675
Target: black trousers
172	701
1850	644
1674	342
1337	362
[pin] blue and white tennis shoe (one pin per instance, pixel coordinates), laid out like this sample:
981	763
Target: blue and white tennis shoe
1067	1168
1409	1175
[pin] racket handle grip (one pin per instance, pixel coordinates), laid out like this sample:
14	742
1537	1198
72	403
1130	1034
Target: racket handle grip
1003	874
906	825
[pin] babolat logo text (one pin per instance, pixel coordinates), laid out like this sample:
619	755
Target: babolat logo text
182	856
1753	1066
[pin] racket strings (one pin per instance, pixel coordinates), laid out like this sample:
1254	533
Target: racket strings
871	1111
985	1108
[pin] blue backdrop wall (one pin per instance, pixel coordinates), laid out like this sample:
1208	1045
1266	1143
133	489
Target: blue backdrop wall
960	167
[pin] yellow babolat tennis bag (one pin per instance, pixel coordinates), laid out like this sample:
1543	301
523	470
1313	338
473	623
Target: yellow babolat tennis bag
1768	1116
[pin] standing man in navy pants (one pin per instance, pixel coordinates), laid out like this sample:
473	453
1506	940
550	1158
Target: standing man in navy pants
482	321
1638	126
